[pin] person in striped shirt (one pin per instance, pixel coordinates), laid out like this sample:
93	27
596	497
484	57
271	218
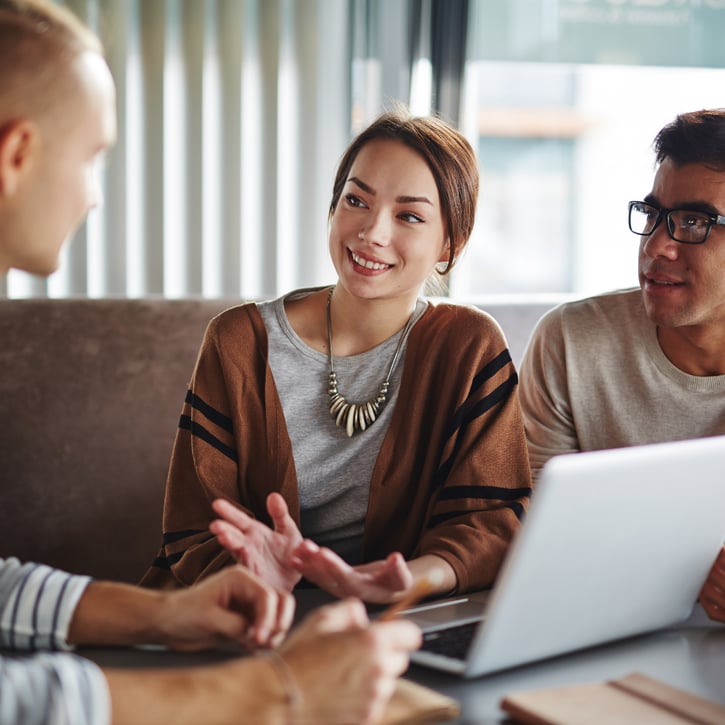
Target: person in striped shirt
57	118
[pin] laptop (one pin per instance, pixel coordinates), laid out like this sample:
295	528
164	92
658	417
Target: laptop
614	544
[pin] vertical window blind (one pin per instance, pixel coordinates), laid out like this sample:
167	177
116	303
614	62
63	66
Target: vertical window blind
232	116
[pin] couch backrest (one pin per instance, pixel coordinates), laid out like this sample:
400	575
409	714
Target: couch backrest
517	318
91	392
90	396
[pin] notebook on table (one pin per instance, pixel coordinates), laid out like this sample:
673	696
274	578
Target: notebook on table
614	544
635	698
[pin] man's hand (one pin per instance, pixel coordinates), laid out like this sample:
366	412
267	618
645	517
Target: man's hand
232	605
345	667
264	551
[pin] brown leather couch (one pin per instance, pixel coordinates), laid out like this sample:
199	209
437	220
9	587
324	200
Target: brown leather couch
90	396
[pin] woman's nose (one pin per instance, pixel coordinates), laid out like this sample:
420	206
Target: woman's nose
378	230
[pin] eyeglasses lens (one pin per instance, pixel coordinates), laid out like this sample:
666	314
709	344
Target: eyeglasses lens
689	227
643	218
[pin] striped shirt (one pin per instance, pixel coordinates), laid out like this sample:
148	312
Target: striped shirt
36	607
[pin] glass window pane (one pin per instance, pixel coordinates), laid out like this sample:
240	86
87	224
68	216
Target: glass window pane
563	101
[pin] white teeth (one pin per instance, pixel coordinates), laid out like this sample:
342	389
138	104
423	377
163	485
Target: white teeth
367	263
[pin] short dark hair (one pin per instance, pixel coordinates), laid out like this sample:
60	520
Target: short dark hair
449	157
697	137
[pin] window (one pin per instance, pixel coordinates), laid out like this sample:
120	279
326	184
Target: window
563	99
232	116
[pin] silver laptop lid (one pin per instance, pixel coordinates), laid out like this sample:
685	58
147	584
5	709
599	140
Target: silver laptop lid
615	543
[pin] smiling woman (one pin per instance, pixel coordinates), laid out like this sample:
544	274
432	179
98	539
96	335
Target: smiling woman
422	467
386	231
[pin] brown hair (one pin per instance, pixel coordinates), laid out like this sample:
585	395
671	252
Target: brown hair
449	157
38	41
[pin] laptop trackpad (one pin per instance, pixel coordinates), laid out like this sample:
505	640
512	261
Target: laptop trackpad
447	612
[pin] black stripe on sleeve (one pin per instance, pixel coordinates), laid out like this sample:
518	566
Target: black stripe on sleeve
171	536
515	506
56	614
208	412
496	493
186	423
491	368
502	392
486	403
36	609
166	562
16	608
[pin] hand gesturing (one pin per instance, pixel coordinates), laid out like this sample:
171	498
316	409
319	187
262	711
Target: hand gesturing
376	582
267	552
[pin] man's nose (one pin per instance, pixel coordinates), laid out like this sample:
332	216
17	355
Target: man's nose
660	243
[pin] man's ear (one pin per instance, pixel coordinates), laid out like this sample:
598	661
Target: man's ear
18	143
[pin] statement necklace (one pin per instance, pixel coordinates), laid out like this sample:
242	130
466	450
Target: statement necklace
358	416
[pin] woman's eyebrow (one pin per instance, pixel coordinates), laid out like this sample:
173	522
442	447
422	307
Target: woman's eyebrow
413	200
400	199
367	189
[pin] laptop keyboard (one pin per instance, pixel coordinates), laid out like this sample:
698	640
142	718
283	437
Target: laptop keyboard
452	642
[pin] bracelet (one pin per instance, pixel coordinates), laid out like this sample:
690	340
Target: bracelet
293	694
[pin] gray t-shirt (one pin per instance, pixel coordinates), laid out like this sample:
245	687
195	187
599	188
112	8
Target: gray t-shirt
333	471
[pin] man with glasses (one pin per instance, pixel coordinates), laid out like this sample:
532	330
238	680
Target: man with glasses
645	365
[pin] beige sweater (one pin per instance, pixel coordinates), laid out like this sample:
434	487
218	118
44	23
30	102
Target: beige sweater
594	376
452	477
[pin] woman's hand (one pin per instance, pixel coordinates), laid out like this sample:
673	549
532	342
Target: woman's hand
267	552
377	582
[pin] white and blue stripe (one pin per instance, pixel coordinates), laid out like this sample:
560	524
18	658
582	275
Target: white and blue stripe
36	607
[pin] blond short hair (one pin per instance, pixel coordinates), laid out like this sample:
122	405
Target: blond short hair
39	40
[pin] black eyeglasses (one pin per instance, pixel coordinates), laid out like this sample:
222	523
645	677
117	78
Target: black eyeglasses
683	225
